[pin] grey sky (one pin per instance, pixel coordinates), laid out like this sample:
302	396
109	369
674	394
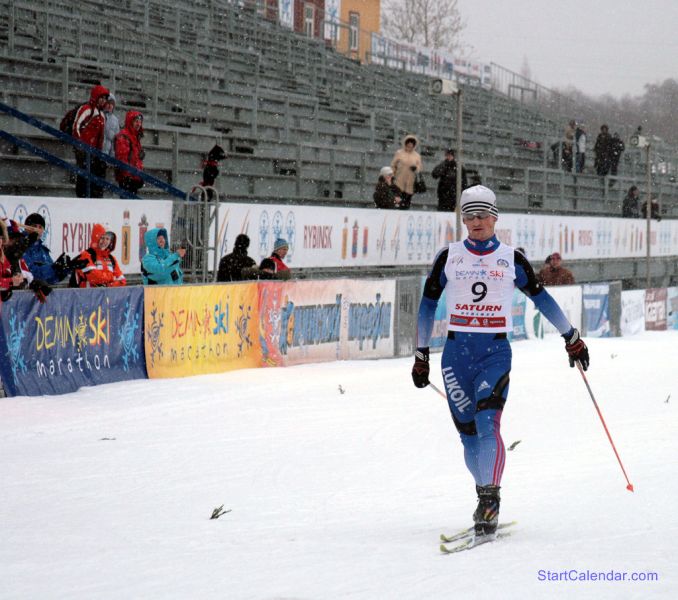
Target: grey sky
598	46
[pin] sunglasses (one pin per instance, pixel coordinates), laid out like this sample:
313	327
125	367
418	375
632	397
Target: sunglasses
482	215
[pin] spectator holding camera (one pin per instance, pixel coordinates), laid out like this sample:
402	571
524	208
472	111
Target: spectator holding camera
38	258
128	150
14	272
406	164
160	266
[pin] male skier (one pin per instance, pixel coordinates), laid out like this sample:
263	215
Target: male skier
478	276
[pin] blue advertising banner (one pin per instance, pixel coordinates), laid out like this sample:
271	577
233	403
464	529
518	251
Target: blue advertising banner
596	310
77	338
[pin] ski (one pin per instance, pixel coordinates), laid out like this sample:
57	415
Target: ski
469	532
472	542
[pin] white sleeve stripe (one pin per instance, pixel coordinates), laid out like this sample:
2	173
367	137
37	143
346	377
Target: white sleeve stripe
80	118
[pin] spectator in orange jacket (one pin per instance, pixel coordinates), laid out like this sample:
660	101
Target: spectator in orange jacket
102	269
128	149
553	272
88	127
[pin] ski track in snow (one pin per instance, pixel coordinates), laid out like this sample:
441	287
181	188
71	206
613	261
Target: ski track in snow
340	495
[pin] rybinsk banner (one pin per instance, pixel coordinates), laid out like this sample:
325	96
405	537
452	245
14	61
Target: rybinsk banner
69	222
347	237
334	237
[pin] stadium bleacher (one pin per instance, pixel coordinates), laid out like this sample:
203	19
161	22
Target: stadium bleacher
300	121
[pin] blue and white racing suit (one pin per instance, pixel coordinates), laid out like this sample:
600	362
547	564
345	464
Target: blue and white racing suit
478	279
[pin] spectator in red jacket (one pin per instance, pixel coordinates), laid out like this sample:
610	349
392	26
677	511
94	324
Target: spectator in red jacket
280	248
88	127
14	274
102	269
128	150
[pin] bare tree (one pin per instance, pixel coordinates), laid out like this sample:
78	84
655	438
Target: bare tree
435	24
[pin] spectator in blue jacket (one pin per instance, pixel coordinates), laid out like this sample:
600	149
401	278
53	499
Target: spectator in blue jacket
160	266
37	255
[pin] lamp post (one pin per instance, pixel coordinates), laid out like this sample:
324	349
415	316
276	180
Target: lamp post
446	87
648	215
457	209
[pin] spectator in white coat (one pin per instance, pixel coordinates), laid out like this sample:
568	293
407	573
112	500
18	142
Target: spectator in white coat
112	126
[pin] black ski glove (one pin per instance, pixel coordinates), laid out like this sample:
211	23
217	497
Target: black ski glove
421	368
576	349
77	263
41	290
61	266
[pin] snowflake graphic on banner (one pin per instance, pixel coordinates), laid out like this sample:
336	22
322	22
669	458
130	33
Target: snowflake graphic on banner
153	333
241	327
81	333
126	333
16	335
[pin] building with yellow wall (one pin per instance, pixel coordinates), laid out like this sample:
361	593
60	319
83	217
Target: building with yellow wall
359	19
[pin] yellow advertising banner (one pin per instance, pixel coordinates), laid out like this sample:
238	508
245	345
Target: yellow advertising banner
194	330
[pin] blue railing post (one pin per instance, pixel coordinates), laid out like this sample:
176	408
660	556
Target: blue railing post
89	175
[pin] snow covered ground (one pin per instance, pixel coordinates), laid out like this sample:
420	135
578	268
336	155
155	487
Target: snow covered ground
107	493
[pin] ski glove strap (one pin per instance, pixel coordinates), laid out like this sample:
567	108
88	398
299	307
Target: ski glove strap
41	290
576	349
421	368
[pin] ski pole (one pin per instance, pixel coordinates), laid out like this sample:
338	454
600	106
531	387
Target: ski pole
438	390
629	487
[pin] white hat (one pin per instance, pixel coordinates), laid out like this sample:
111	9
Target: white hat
478	198
385	171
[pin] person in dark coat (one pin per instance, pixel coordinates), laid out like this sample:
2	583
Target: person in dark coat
267	269
237	266
603	150
631	203
387	193
654	210
210	170
446	173
616	148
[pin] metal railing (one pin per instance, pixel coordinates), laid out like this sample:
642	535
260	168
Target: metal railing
90	153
